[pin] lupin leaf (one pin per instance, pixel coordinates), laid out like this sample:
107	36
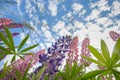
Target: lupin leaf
10	38
23	42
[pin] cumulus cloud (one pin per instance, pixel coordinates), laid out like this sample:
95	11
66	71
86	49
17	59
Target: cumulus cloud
77	7
93	23
97	8
78	24
115	9
59	25
101	5
94	15
64	32
53	7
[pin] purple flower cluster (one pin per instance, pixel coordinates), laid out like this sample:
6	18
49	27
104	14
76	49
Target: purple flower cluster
54	56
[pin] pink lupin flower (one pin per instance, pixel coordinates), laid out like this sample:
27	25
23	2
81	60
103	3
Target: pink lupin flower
5	22
114	35
73	53
22	64
85	51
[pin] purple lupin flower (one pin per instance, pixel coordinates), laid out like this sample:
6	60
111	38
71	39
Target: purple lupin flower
54	56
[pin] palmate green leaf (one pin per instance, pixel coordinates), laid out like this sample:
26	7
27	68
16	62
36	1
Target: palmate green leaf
10	38
97	54
28	48
116	74
93	60
117	65
23	42
5	40
5	50
105	52
13	58
21	57
115	54
92	74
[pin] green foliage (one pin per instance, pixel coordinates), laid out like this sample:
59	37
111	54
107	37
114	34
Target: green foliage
4	71
71	72
103	59
10	46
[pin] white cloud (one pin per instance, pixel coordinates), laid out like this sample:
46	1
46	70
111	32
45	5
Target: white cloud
64	32
48	35
40	4
69	14
59	25
77	7
104	21
42	46
78	24
22	35
101	5
69	26
101	21
53	7
92	27
97	8
82	13
44	25
81	33
115	9
94	15
48	44
118	24
28	4
18	7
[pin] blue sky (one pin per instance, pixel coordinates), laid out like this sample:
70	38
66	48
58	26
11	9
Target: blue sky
55	18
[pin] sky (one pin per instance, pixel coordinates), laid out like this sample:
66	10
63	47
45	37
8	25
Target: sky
53	19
